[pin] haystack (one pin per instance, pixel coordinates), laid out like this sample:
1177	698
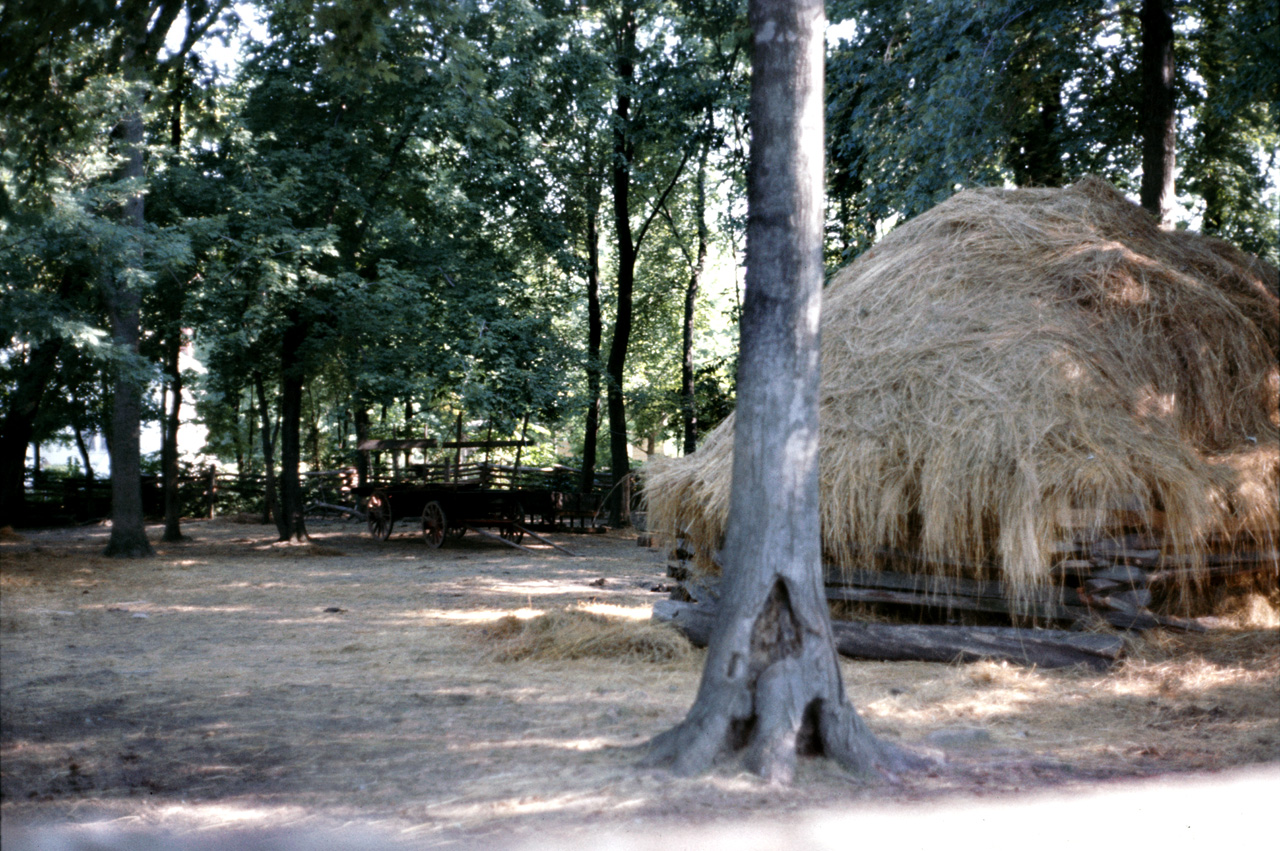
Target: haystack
1016	368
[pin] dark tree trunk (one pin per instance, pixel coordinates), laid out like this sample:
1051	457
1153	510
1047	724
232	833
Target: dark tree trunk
313	431
1212	124
83	448
271	504
128	532
249	426
595	334
688	400
619	459
169	451
18	427
1037	154
290	522
771	686
1159	116
124	310
361	417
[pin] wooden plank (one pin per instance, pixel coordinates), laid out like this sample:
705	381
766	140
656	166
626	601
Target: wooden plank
911	642
397	445
483	444
533	534
352	511
486	533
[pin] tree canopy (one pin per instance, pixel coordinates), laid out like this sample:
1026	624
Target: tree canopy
382	216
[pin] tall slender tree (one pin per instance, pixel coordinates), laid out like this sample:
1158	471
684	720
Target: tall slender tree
1159	112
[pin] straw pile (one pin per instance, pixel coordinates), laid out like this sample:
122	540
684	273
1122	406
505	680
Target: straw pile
1017	368
573	633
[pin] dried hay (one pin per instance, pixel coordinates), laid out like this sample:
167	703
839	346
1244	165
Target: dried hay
1013	368
574	633
8	535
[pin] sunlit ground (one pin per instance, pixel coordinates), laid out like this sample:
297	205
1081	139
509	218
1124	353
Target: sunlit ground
350	693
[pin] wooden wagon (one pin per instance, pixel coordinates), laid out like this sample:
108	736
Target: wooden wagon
446	501
443	511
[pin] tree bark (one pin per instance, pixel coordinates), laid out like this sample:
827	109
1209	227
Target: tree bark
771	687
619	458
361	418
1159	116
290	522
83	448
595	334
688	391
270	503
124	310
169	450
128	532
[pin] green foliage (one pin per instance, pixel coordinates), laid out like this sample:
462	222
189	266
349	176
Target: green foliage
409	184
930	97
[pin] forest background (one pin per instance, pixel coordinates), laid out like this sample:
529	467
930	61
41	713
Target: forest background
389	216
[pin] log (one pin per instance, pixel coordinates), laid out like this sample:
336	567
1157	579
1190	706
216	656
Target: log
923	583
487	534
535	535
1037	609
927	643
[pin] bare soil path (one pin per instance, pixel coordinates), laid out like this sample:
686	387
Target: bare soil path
232	681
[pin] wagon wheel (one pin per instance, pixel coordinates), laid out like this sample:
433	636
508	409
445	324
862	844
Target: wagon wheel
456	532
513	513
378	511
433	524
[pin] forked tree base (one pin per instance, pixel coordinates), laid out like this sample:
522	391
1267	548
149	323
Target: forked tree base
771	692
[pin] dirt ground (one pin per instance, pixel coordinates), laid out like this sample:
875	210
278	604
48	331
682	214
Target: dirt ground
234	682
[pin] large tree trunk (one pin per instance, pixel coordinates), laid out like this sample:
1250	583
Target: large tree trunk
1159	117
771	686
18	427
619	460
124	309
128	532
290	522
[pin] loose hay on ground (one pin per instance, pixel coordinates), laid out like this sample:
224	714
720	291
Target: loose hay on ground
574	633
1013	368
